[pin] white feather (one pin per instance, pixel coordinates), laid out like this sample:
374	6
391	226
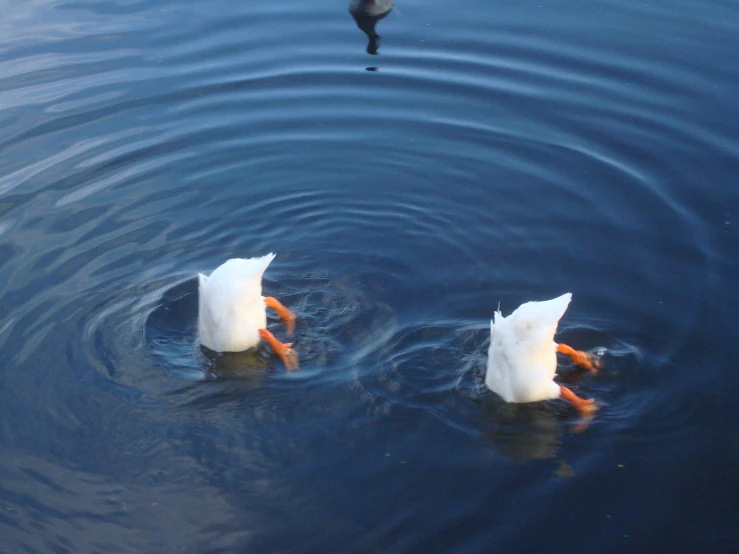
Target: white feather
231	307
522	358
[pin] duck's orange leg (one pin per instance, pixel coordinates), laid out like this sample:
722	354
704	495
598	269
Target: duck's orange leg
585	407
287	316
283	350
578	356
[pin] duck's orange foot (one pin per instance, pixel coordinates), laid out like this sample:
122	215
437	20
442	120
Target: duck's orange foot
582	425
578	357
283	350
287	316
587	407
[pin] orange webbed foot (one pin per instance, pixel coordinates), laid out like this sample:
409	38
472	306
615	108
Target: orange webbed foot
578	357
582	425
287	316
283	350
587	407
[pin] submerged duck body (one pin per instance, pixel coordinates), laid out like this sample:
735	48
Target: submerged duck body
232	314
522	358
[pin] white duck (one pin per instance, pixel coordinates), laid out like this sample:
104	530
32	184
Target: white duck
232	314
522	359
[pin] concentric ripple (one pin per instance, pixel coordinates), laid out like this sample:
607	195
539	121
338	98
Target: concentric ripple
495	153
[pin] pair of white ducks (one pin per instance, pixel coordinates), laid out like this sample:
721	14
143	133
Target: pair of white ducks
522	358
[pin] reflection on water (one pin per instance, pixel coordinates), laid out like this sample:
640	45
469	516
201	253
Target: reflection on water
511	150
521	432
367	13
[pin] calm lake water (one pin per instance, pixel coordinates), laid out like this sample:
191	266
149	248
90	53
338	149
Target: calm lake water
491	152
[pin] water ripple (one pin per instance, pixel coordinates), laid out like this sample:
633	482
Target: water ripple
503	158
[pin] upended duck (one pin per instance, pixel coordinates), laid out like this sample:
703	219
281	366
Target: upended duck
232	314
522	359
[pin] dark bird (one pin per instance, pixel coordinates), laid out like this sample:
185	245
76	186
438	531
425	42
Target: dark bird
367	13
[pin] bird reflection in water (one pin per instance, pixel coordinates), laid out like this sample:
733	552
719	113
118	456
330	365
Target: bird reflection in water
366	14
521	432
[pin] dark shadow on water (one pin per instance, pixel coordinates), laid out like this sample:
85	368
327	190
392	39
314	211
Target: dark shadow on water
521	432
366	14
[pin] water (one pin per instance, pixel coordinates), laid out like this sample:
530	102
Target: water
495	152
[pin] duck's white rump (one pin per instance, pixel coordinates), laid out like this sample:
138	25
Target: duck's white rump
522	358
231	308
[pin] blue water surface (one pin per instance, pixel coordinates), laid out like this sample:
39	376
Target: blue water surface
411	172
